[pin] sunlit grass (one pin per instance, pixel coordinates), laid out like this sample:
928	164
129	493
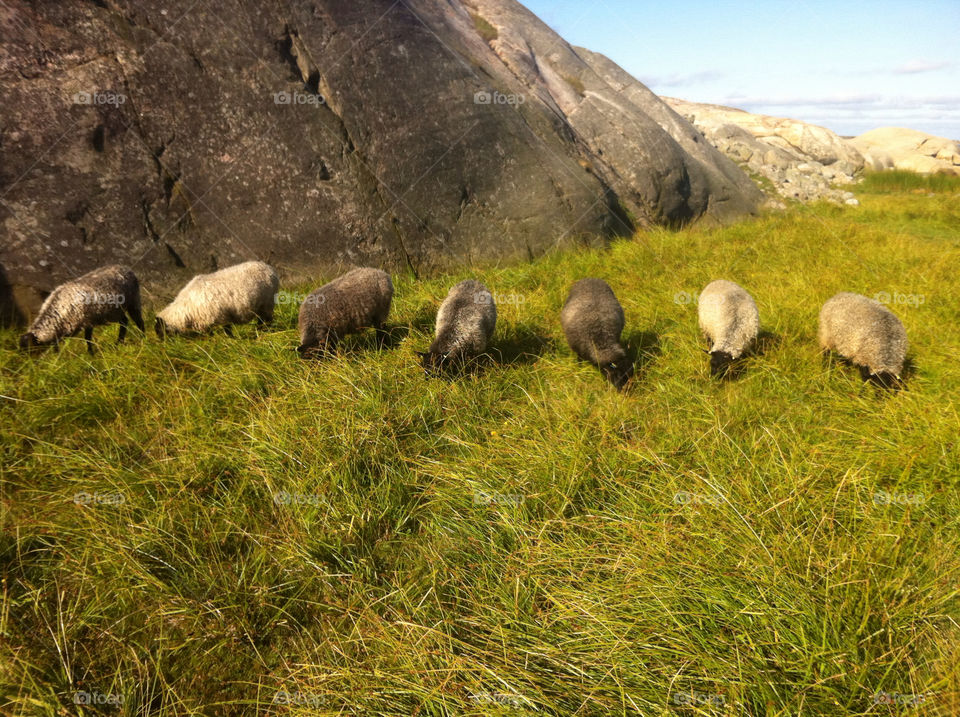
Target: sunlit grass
213	526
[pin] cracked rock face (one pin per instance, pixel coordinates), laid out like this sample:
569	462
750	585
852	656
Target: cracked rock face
184	137
802	161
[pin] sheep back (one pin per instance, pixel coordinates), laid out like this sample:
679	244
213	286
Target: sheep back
234	295
864	331
592	321
358	300
466	321
98	297
728	317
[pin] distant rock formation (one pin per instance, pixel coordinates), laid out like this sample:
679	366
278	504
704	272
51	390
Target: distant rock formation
898	148
179	137
801	160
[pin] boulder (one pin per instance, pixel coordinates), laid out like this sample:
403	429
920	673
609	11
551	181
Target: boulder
801	160
908	149
183	136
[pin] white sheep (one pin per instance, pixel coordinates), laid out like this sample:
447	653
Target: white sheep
730	320
235	295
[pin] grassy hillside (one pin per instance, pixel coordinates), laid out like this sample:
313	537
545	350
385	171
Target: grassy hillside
214	527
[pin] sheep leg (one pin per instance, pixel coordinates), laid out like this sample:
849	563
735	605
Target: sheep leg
88	337
382	335
122	333
228	330
137	317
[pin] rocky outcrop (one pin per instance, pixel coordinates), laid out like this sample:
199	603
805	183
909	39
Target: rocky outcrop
181	137
802	161
908	149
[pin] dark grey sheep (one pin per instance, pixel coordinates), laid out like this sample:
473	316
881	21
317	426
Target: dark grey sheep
866	333
592	320
465	322
347	305
102	296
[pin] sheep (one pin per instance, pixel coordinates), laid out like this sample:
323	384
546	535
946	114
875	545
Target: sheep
730	320
592	320
347	305
465	322
866	333
104	295
235	295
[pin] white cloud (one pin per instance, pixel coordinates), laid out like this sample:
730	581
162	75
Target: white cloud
917	66
680	80
852	101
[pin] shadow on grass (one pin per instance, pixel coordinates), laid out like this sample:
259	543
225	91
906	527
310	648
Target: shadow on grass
643	348
885	385
519	345
766	341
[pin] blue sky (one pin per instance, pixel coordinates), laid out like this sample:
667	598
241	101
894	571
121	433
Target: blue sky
849	65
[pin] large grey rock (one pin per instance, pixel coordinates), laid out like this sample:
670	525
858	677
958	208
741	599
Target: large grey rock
150	134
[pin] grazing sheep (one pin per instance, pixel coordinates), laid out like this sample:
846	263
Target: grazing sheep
102	296
235	295
867	333
465	322
347	305
592	321
730	320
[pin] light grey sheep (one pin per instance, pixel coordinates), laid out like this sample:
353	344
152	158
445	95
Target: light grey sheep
102	296
730	320
465	322
235	295
592	320
347	305
866	333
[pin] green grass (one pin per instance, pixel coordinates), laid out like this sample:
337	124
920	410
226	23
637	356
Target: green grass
896	181
487	31
576	83
687	541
